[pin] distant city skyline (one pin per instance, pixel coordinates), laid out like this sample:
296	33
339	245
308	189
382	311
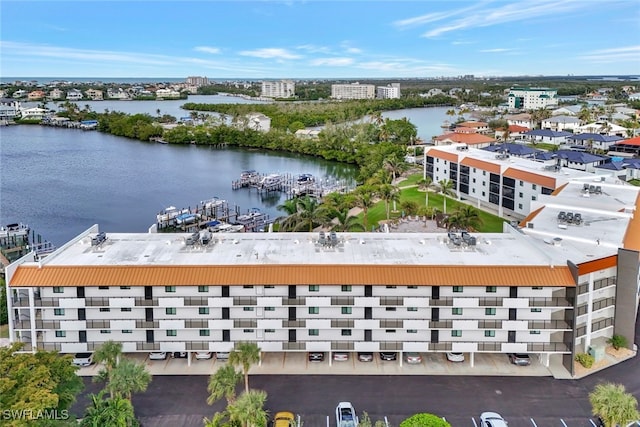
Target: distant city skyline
319	39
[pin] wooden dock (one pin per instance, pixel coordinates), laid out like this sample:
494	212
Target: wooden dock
292	185
17	240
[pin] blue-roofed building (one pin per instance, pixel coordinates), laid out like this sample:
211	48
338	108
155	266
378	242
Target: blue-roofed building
625	169
547	136
580	160
594	140
517	150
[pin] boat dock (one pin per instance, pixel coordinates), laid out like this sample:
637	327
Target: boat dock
293	185
213	214
17	240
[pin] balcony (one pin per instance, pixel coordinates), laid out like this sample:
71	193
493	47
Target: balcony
97	302
294	323
147	346
197	346
490	324
98	324
47	302
557	347
342	323
490	302
440	346
441	302
441	324
143	324
489	346
294	301
245	323
196	324
141	302
549	302
391	323
342	345
549	324
196	301
342	301
293	346
391	346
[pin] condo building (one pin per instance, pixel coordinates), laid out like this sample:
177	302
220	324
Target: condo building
553	286
353	91
532	98
278	89
391	91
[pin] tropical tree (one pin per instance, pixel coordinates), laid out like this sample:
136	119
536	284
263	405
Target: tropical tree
395	166
116	412
365	195
108	353
388	193
344	221
613	404
128	377
220	419
245	355
248	409
425	185
308	214
424	420
445	187
465	217
223	384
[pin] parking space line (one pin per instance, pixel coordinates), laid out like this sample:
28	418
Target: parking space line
563	423
533	422
474	422
592	423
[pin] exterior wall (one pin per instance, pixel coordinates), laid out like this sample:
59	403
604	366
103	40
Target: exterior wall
353	91
388	92
279	89
532	98
294	318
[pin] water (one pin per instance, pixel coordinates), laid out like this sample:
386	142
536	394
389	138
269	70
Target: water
62	181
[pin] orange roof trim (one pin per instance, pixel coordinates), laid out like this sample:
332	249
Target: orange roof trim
534	178
444	155
559	189
529	217
429	275
481	164
597	264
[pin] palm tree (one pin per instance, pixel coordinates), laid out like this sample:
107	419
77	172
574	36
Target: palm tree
445	188
220	419
245	355
364	200
128	377
426	184
108	353
388	193
465	217
395	165
308	214
344	221
223	384
613	404
116	412
248	409
377	118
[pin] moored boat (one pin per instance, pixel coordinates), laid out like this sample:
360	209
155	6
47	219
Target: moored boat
170	214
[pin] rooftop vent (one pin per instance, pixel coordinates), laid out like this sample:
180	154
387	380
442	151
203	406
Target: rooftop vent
98	239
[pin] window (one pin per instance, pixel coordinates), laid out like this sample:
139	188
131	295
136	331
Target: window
492	289
125	309
314	332
127	331
269	309
205	332
456	311
346	288
170	310
169	289
269	287
534	332
534	198
269	331
489	333
58	311
412	331
457	289
346	310
390	309
125	287
105	309
247	287
103	287
520	206
203	289
105	331
412	308
490	311
521	184
537	288
247	308
412	287
391	286
520	195
61	334
203	310
534	187
456	333
483	194
346	332
314	310
536	310
390	331
484	173
172	333
314	288
248	331
58	289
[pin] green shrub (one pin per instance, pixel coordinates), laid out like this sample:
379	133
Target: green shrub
585	360
424	420
617	341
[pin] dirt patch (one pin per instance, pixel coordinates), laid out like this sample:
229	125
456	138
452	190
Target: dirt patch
621	353
581	370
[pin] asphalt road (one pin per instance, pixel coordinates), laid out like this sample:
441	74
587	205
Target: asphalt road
181	400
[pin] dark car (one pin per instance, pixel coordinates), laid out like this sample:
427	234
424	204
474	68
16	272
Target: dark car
388	355
316	356
365	356
520	359
179	355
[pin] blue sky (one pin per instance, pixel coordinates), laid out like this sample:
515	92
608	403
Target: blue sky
318	39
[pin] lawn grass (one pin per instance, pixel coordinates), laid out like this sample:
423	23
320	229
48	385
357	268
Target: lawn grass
411	180
635	182
490	223
4	331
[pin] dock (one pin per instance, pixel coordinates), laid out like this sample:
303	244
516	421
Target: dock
17	240
293	185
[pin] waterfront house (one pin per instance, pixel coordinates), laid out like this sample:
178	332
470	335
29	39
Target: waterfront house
74	95
259	122
515	132
593	141
603	127
522	119
94	94
561	123
579	160
20	93
35	113
547	136
36	95
56	94
472	139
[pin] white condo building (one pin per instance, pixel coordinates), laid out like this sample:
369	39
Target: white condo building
278	89
532	98
353	91
551	287
391	91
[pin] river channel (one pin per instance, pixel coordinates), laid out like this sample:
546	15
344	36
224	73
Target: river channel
62	181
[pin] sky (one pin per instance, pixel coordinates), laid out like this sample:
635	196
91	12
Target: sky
309	39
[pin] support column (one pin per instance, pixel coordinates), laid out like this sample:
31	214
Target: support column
472	359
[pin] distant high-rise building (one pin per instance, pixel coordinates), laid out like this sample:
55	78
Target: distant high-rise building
197	81
278	89
391	91
353	91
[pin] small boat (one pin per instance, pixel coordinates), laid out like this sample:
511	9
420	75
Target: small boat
306	178
270	180
214	203
228	228
248	174
187	218
170	214
16	229
251	217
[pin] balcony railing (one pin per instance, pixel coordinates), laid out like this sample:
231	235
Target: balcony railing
490	324
549	302
391	346
245	323
441	324
341	345
143	324
196	324
549	324
441	302
141	302
294	323
490	302
391	323
543	347
294	301
440	346
293	346
342	323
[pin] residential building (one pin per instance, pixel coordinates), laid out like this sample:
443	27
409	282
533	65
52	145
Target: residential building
94	94
532	98
391	91
517	150
522	119
259	122
9	109
167	93
353	91
593	141
36	95
278	89
118	93
56	94
35	113
464	136
628	147
547	136
480	127
520	291
603	127
20	93
561	123
307	133
197	81
74	95
579	160
515	133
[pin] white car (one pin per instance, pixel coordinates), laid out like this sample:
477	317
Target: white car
222	356
157	355
83	359
455	357
492	419
340	356
203	355
346	415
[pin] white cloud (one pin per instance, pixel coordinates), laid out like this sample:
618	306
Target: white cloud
432	17
497	50
207	49
616	54
313	48
331	62
270	53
